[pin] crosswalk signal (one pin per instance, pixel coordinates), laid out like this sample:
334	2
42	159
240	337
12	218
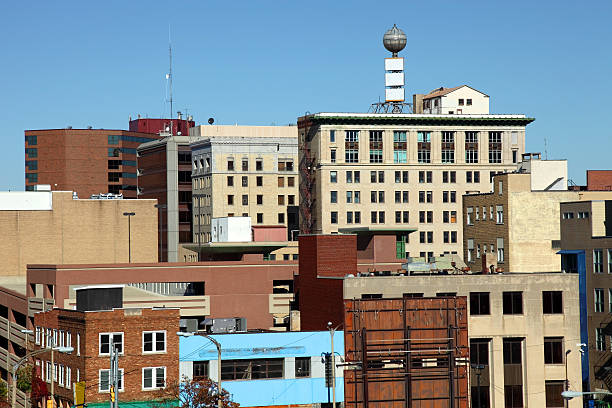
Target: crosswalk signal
112	394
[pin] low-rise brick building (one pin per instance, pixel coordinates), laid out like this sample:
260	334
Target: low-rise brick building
145	338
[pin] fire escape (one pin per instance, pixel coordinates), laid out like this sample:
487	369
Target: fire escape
307	186
603	367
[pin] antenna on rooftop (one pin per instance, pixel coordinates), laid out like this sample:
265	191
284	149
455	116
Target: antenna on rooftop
169	78
545	150
394	41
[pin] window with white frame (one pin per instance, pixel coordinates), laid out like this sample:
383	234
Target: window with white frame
48	371
597	261
154	341
104	380
78	344
500	214
55	343
470	248
107	338
68	377
61	375
599	300
500	250
37	338
49	337
68	339
600	339
61	338
55	372
153	378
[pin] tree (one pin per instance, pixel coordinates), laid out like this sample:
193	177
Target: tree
24	378
39	387
4	394
193	394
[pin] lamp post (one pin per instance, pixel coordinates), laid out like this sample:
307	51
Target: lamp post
160	207
218	346
568	395
332	331
129	215
32	354
567	352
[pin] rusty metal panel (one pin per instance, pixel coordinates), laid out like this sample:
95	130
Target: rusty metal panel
406	353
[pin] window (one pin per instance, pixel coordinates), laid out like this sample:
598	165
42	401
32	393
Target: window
334	217
552	302
105	342
69	377
357	197
425	176
60	375
153	378
230	199
448	148
259	180
376	146
479	351
245	181
349	217
553	350
600	339
251	369
78	350
424	147
245	199
153	342
113	139
200	370
333	177
281	200
104	380
500	250
500	214
230	165
597	261
599	300
259	218
357	215
302	367
31	139
290	181
495	147
349	197
245	164
351	146
333	197
399	147
479	303
259	165
230	181
290	199
471	147
513	303
281	218
568	215
553	393
583	214
32	164
332	155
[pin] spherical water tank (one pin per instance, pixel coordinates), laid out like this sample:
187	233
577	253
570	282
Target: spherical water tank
394	40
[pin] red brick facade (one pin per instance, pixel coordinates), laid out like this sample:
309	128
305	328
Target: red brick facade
599	180
85	329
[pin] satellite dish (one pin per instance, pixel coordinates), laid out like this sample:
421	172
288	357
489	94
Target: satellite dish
211	121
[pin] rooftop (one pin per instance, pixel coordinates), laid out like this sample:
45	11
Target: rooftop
418	118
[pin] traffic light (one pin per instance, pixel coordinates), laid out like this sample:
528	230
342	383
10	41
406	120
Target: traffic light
328	370
112	394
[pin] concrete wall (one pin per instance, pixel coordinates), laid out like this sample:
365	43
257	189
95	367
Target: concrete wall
78	231
532	325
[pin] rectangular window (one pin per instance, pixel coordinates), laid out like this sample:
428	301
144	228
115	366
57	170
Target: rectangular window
553	391
598	261
351	146
424	147
600	339
513	303
500	214
332	136
32	165
281	200
113	139
479	303
334	217
349	176
230	165
291	199
245	181
357	197
104	380
399	147
552	302
333	197
376	146
281	220
357	217
448	147
230	199
105	340
230	181
255	369
495	147
302	367
333	177
153	342
332	155
259	165
200	370
599	300
471	147
245	164
245	199
260	218
553	350
31	140
349	217
153	378
259	180
500	250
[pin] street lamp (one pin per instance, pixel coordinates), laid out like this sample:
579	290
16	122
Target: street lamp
572	394
218	346
332	331
32	354
129	215
160	207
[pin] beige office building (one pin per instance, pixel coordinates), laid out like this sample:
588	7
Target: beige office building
44	227
245	171
522	329
403	170
516	227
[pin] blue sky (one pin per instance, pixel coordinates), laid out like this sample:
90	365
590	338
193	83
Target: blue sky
260	62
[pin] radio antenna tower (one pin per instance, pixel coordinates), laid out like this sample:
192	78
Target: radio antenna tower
394	41
169	78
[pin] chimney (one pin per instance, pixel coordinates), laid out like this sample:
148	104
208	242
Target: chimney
485	269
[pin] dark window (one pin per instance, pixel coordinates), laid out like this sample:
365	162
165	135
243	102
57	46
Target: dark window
184	157
259	199
184	176
413	295
31	164
230	165
260	218
513	396
258	165
553	394
371	296
245	165
513	302
113	139
259	181
479	351
32	177
230	181
251	369
334	217
245	181
114	164
184	197
245	199
114	177
553	350
479	303
446	294
114	189
302	366
512	351
552	302
200	370
31	140
230	199
31	152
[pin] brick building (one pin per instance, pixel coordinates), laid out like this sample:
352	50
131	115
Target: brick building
88	161
146	339
159	126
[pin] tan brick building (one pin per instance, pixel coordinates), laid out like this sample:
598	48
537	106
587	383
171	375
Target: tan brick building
246	171
147	342
516	227
53	227
402	170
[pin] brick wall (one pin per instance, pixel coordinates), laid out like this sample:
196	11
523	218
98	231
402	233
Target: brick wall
599	179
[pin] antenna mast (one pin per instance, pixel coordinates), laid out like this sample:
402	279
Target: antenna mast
170	79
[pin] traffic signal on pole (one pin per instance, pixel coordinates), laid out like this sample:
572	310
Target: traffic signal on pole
112	394
328	370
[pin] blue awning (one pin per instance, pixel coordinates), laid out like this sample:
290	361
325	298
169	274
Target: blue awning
570	251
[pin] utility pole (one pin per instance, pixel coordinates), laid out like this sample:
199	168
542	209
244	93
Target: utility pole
114	376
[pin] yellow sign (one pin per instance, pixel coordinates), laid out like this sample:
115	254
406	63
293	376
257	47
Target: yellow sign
79	393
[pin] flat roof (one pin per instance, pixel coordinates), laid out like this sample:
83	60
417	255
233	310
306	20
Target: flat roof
375	230
233	247
418	118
